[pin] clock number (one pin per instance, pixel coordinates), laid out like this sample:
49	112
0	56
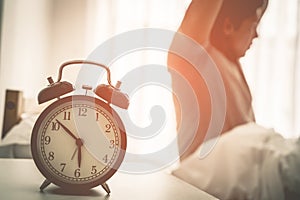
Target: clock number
82	112
67	115
108	127
51	155
112	144
94	170
55	126
77	173
47	140
105	158
97	116
63	165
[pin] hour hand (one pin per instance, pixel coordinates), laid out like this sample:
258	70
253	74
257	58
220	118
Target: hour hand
66	129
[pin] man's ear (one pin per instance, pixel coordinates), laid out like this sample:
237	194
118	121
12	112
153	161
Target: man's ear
228	27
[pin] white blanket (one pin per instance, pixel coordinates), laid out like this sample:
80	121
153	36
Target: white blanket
249	162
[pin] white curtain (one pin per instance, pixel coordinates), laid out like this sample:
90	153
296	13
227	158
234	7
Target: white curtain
107	19
272	68
34	43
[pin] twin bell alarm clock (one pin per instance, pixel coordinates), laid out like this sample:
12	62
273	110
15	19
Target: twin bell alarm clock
78	142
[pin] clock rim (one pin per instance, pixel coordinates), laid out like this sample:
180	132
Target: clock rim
80	186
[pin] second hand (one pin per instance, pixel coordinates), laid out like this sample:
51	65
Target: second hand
74	153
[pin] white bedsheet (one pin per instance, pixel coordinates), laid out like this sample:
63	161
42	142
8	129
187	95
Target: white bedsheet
249	162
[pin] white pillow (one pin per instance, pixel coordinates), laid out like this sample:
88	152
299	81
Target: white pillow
16	144
21	132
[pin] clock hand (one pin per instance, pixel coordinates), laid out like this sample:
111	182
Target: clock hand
79	144
67	130
74	153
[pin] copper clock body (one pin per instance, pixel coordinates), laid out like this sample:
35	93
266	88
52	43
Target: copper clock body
78	142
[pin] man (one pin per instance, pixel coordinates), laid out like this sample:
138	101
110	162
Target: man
225	28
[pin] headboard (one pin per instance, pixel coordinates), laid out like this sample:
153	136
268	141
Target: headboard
13	109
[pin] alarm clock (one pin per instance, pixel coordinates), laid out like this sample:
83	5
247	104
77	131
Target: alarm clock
78	142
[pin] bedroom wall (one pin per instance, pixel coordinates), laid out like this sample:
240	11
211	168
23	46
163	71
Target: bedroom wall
24	46
37	36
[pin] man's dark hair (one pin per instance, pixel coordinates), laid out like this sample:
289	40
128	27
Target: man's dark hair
236	11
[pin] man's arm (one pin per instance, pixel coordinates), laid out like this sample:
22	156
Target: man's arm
200	18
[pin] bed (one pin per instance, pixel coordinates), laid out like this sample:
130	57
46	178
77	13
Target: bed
19	117
16	143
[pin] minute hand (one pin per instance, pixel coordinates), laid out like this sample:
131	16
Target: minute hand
67	130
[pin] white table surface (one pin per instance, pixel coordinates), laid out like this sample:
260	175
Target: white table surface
20	179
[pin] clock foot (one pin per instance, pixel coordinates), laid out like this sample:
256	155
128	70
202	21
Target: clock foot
105	187
44	184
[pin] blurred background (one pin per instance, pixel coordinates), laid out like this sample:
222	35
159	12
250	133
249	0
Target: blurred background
39	35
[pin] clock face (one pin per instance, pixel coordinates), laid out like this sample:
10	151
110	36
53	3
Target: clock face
78	142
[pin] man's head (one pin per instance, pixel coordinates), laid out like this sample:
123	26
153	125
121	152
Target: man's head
236	25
